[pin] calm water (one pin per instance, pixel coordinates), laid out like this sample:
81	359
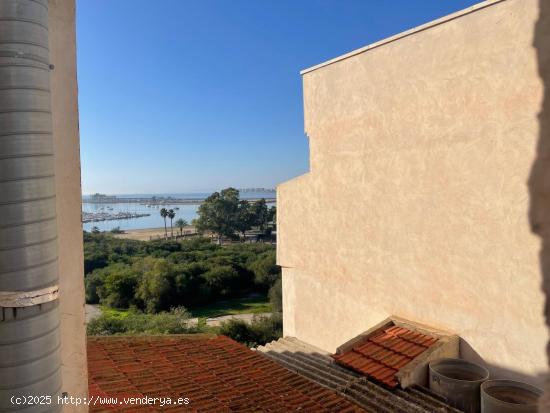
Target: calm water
187	212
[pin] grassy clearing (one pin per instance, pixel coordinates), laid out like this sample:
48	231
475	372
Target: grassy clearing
114	312
247	305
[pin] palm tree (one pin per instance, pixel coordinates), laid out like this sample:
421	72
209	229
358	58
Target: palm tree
171	215
164	214
181	223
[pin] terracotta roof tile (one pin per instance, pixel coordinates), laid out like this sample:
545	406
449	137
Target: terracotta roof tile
216	373
383	353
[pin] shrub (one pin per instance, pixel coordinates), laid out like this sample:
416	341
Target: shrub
191	288
222	280
276	296
266	271
198	244
94	260
105	325
261	331
119	285
238	330
157	286
92	283
174	322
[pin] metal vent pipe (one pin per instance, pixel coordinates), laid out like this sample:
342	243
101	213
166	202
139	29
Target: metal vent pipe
30	363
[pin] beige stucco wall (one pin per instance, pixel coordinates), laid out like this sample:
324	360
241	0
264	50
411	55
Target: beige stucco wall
67	152
417	201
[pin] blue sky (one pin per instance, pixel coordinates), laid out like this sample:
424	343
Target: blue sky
197	95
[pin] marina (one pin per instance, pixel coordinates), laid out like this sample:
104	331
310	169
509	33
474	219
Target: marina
109	216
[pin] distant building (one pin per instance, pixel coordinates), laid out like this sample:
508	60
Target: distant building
245	190
97	197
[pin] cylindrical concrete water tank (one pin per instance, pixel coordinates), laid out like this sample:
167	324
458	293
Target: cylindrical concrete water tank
459	382
30	362
508	396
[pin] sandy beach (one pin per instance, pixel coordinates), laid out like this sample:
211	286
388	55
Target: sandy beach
152	233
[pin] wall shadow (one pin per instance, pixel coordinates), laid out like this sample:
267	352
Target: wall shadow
467	352
539	180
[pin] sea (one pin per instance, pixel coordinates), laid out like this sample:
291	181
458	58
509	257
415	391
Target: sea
154	220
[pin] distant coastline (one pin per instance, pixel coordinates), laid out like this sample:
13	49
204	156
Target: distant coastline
250	194
153	201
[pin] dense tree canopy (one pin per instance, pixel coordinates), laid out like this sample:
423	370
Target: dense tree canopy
219	212
245	217
159	275
261	214
225	214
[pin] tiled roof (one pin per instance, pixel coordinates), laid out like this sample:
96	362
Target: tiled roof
216	373
318	366
383	353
